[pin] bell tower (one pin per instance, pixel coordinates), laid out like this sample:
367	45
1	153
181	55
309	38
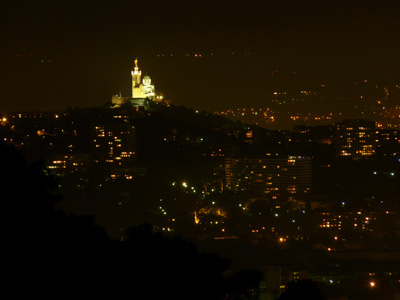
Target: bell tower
136	77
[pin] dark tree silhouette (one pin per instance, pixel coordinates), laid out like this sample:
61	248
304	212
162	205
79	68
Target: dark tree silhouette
49	254
245	284
303	289
43	248
171	267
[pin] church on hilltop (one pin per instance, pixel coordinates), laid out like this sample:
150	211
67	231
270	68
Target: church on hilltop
143	92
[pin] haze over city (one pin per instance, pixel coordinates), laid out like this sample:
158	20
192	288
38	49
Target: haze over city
77	53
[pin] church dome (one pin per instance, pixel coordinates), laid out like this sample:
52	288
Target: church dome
146	80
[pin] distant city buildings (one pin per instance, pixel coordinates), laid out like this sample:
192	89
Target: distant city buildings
387	142
64	164
115	146
274	176
115	142
355	138
207	161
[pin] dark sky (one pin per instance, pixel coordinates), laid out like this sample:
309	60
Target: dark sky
91	46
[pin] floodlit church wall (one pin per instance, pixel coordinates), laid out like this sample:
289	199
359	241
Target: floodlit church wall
138	92
141	89
117	100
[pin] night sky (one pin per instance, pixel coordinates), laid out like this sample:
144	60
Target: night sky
59	54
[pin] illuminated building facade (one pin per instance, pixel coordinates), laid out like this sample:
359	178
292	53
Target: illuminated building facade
276	176
355	138
388	142
143	91
61	165
115	145
351	220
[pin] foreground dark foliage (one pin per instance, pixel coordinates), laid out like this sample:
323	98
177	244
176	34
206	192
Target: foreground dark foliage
49	254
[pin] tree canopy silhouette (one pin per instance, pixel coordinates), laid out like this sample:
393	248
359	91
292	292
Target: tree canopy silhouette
50	254
303	289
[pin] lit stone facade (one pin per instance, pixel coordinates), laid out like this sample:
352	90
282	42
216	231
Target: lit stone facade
143	91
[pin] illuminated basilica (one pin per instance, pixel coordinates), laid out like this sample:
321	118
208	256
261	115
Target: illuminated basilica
143	91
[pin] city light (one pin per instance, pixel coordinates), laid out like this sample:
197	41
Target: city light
293	171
